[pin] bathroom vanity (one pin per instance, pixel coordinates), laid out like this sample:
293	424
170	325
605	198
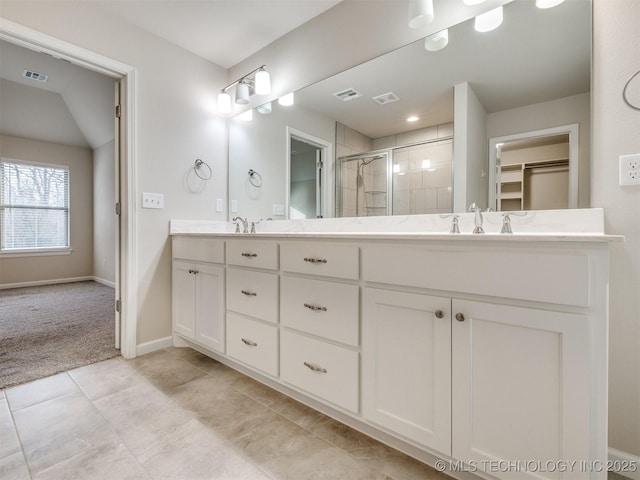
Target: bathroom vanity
482	349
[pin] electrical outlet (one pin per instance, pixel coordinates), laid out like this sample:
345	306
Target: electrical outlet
152	200
630	169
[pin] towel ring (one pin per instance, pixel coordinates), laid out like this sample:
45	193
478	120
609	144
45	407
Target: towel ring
252	180
624	91
198	164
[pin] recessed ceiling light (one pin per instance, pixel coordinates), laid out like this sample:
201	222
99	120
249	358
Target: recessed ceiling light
413	118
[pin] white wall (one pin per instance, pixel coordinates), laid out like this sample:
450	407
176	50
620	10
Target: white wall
175	125
470	152
555	113
104	218
616	131
21	269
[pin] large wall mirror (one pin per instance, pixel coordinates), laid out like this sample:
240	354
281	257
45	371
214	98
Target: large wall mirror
412	131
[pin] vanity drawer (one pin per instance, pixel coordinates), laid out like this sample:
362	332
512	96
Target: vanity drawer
322	369
321	308
560	277
252	253
254	343
342	261
253	293
198	249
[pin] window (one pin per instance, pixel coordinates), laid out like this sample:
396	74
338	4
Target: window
34	206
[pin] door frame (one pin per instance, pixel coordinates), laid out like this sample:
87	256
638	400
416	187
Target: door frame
126	291
326	207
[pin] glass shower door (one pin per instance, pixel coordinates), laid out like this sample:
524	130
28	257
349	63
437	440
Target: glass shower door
363	185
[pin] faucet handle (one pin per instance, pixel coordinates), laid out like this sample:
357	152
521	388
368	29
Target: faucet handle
237	227
506	221
253	226
454	222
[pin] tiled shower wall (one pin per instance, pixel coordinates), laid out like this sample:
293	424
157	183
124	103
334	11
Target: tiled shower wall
418	188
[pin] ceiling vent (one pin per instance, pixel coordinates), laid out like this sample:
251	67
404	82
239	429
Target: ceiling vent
347	95
385	98
40	77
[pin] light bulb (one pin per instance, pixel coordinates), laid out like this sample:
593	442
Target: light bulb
488	21
263	82
420	13
224	102
437	41
286	100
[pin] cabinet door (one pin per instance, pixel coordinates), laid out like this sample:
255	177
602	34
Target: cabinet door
406	365
520	388
184	299
210	306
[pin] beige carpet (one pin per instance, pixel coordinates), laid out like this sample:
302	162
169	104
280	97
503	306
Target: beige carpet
54	328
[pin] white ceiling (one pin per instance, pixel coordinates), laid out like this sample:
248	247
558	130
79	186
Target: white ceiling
224	32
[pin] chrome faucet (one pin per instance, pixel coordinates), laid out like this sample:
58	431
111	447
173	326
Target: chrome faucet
245	224
454	222
478	217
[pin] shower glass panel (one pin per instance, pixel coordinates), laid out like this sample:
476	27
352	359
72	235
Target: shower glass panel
363	185
422	178
408	180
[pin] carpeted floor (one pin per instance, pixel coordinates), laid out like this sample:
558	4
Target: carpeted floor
54	328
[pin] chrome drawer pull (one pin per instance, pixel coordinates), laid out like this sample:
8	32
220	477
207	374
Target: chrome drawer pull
249	254
195	272
315	260
315	308
315	368
248	293
249	342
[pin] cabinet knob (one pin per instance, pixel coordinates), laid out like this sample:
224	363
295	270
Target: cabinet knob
460	317
439	314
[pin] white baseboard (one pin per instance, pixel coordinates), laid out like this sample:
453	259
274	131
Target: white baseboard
38	283
148	347
624	459
108	283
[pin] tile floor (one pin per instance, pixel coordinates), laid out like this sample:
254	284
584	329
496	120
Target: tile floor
177	414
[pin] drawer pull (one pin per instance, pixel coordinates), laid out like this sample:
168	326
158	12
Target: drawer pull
315	308
195	272
244	254
249	342
248	293
315	368
315	260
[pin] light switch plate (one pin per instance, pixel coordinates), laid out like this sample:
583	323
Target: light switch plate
219	205
234	206
278	209
152	200
630	169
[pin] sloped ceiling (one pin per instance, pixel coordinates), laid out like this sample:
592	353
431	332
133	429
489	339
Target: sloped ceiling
74	106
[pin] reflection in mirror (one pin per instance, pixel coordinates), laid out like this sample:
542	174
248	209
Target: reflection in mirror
305	178
535	170
530	74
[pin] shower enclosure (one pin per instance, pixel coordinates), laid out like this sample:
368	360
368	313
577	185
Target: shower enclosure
412	179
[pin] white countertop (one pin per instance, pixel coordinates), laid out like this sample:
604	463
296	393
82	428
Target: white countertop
582	225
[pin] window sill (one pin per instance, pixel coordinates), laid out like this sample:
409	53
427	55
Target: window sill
40	252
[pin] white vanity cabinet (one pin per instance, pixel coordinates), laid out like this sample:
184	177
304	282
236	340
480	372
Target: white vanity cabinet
484	350
406	365
252	304
319	347
198	291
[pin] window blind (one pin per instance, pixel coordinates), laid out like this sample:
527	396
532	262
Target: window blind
34	204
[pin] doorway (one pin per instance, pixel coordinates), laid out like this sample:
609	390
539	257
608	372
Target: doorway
125	168
309	161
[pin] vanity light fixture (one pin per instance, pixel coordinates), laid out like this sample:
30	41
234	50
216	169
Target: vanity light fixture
485	22
286	100
437	41
420	13
257	81
548	3
264	109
